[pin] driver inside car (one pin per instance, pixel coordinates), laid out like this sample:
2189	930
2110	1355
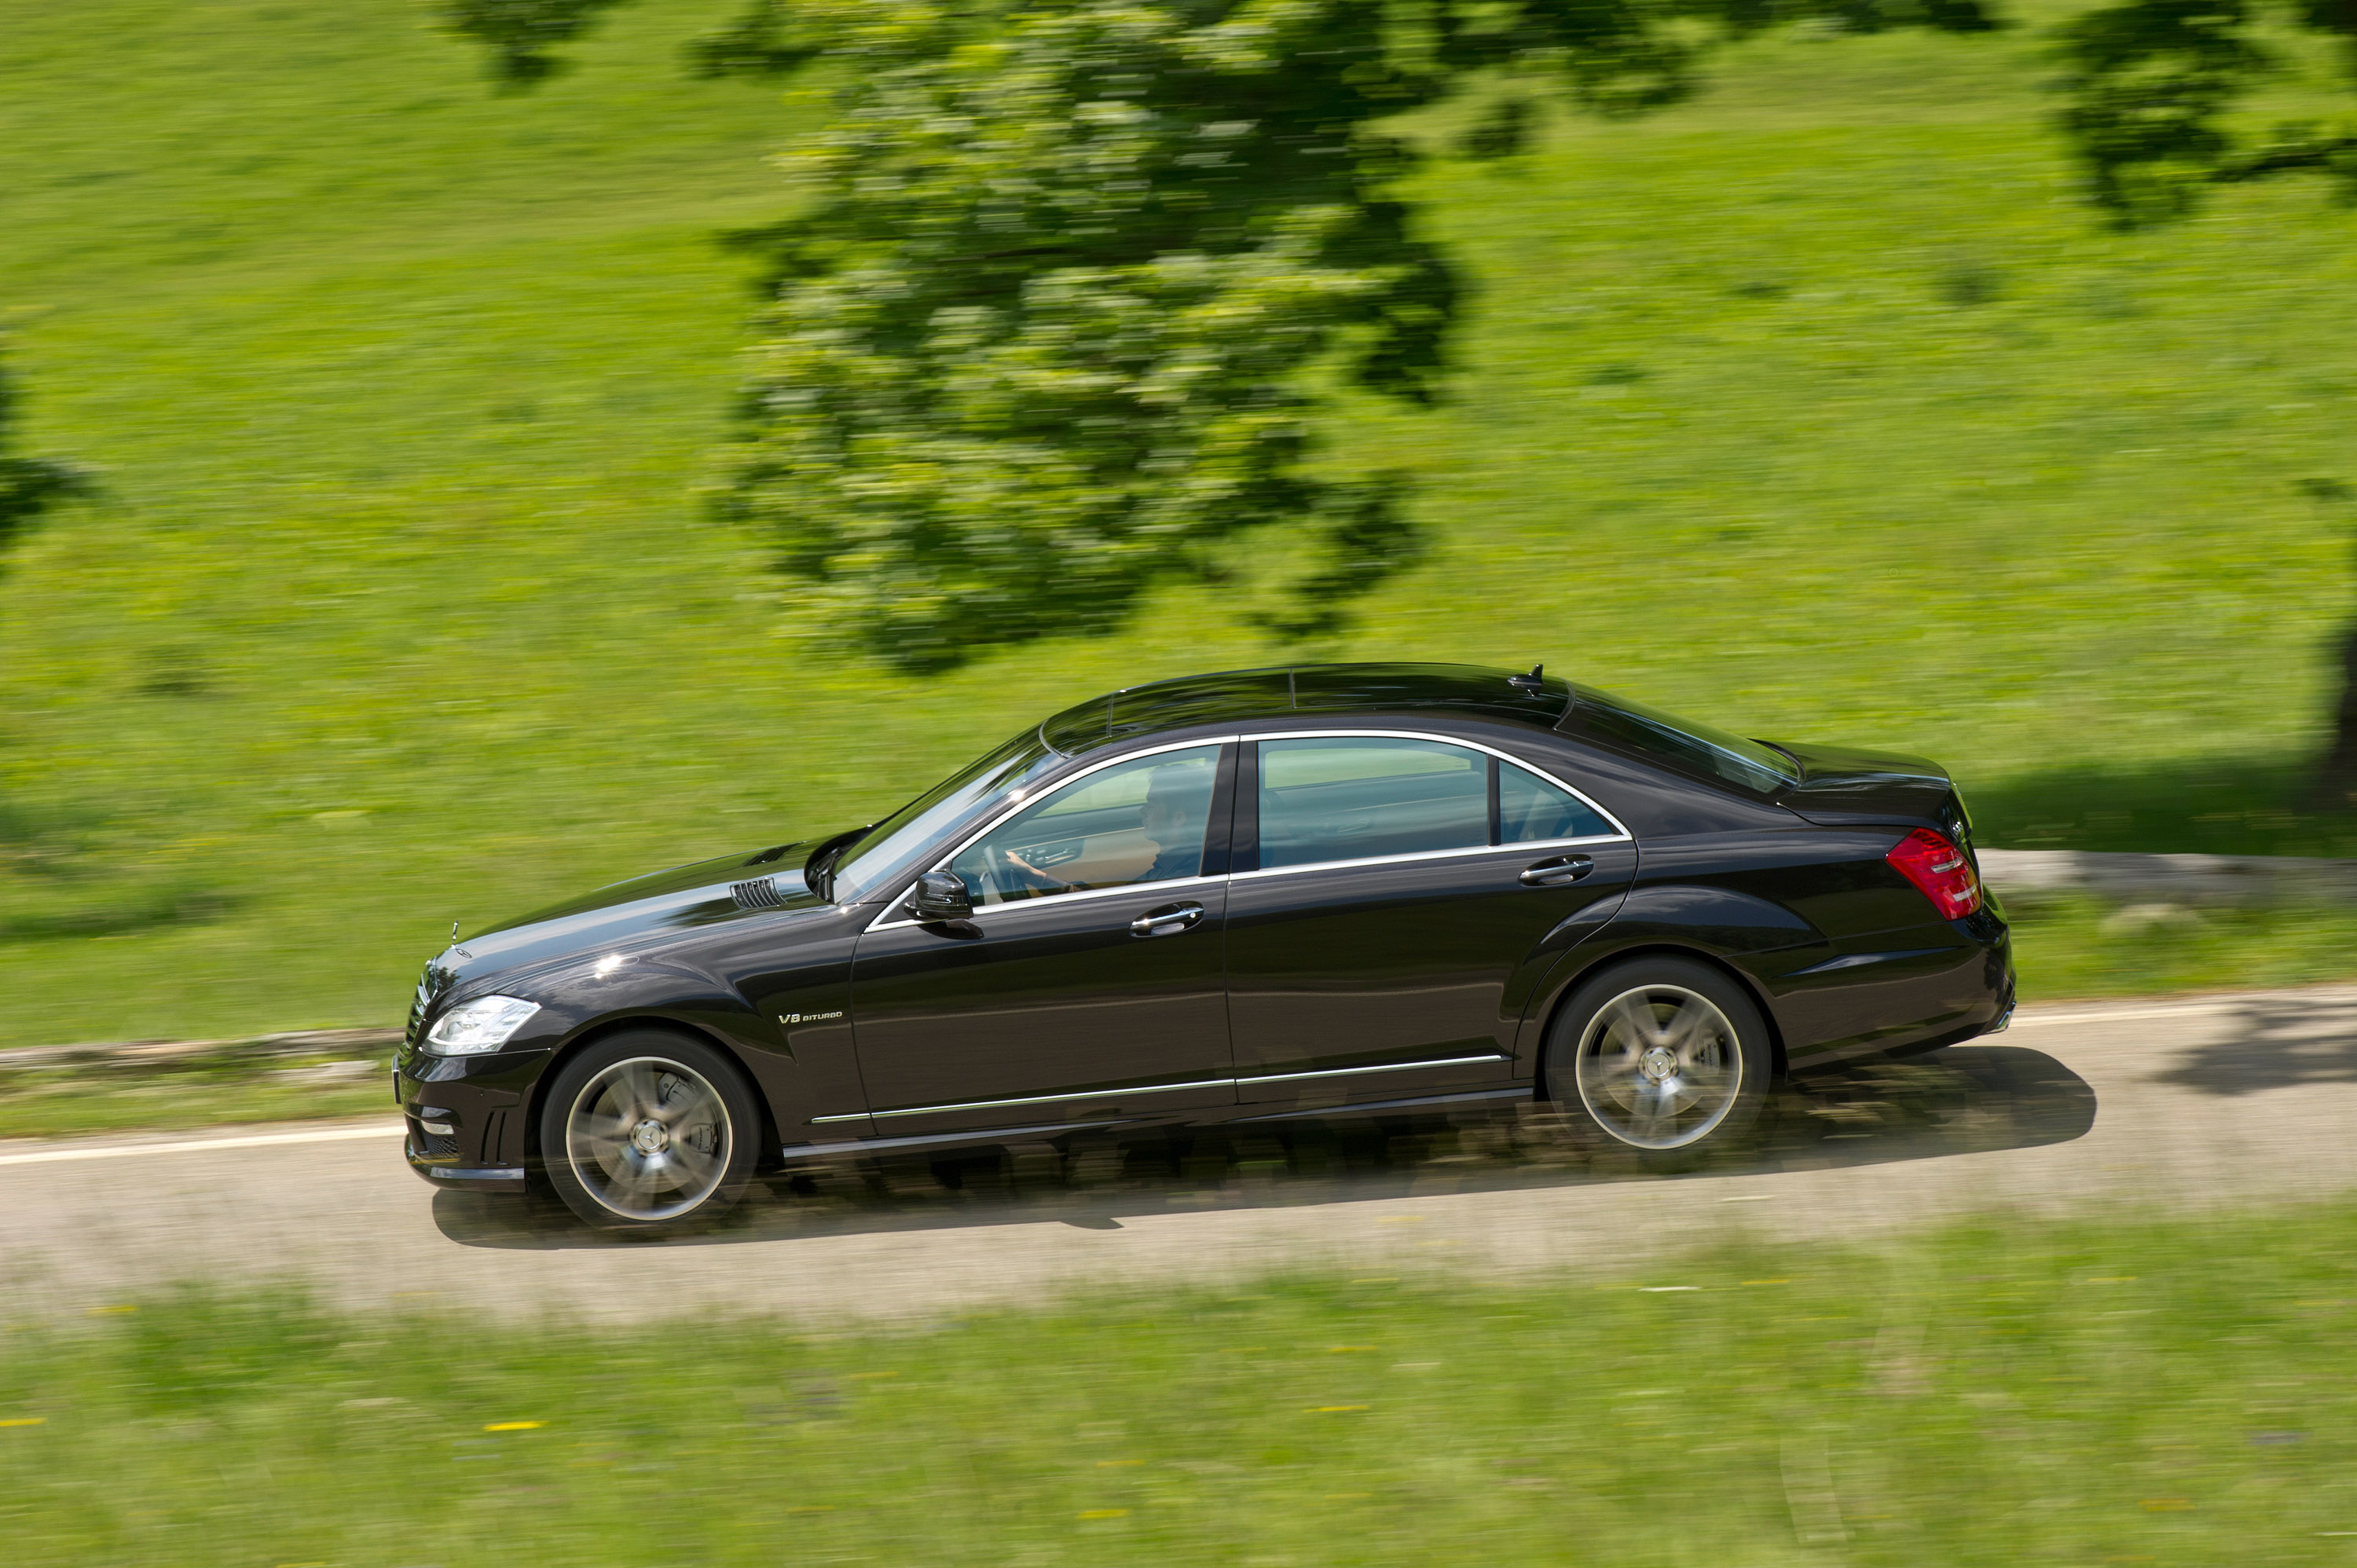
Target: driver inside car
1171	821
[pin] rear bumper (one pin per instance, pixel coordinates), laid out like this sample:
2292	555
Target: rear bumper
2005	1009
1943	992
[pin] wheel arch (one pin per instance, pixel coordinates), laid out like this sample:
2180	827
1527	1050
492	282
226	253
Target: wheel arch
606	1029
1644	949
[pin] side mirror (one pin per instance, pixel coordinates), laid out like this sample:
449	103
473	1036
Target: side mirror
941	895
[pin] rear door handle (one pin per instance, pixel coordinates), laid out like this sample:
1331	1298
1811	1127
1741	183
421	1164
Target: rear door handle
1168	921
1557	870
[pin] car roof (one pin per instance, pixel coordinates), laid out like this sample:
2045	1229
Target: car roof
1472	690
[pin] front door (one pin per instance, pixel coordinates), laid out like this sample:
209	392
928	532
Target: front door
1387	889
1088	985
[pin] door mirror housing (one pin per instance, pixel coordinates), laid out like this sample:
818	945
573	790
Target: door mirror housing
940	896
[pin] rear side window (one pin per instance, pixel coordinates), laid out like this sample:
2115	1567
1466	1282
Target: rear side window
1532	811
1360	797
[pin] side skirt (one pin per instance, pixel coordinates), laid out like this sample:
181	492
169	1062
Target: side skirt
1040	1133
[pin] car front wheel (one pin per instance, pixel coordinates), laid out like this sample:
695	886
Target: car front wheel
1667	1057
648	1131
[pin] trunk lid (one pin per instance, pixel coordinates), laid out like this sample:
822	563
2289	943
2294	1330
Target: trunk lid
1843	786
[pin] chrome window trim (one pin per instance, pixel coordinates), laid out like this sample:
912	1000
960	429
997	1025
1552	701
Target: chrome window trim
993	911
1621	833
1620	830
1161	1088
884	920
1522	847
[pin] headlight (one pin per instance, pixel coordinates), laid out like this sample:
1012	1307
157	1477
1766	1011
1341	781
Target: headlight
483	1025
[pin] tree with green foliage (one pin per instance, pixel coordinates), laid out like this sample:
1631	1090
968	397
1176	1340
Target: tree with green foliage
2154	87
1041	340
520	38
28	485
1048	332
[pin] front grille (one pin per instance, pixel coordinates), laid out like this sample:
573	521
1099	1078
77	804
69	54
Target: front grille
761	893
423	998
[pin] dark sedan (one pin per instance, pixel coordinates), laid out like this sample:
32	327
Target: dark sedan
1348	889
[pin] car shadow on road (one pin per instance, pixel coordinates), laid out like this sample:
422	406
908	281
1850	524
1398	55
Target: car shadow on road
2271	1042
1966	1100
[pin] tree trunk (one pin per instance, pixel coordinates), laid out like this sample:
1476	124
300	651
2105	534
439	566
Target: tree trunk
2336	782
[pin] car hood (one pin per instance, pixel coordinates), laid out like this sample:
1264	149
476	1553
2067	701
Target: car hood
1843	786
660	904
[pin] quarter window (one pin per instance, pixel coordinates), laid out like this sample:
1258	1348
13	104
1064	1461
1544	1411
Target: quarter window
1532	811
1143	820
1358	796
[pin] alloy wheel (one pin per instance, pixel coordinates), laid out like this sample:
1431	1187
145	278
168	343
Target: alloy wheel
1660	1067
648	1139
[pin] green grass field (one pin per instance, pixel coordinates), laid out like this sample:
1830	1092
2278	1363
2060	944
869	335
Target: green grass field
1817	407
2117	1391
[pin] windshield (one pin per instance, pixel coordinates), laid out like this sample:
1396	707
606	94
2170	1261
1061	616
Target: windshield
1697	747
894	844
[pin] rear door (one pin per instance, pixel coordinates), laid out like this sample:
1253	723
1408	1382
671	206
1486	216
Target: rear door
1089	982
1388	888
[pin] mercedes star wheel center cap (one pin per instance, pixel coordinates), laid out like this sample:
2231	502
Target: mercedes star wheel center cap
1658	1062
649	1138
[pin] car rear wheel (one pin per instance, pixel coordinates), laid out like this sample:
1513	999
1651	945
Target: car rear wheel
1667	1057
648	1131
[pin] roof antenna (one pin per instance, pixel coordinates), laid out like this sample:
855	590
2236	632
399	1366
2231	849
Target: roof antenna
1530	682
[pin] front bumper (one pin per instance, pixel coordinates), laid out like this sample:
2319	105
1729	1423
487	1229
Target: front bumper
440	1169
467	1115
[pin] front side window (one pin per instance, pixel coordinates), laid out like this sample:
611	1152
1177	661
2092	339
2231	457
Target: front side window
1362	797
1136	821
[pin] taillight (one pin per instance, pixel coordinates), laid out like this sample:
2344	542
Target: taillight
1940	870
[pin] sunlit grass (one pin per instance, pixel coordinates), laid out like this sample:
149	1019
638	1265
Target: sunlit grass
61	1101
401	609
2088	948
2115	1390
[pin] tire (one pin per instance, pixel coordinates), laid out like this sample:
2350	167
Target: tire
649	1131
1667	1058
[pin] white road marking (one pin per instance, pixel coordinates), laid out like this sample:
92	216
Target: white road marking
2123	1014
193	1146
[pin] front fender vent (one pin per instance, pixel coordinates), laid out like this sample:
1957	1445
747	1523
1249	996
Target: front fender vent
761	893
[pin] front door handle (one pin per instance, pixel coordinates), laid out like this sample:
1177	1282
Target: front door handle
1557	870
1168	921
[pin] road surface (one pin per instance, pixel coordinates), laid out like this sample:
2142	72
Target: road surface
2222	1099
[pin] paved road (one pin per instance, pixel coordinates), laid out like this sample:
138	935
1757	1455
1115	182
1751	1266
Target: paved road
2219	1100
